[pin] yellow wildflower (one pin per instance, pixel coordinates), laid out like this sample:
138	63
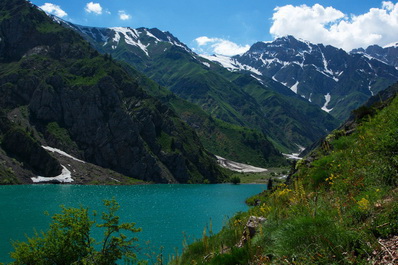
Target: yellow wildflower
364	204
265	209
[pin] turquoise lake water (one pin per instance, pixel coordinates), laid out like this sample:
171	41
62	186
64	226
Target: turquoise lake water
166	213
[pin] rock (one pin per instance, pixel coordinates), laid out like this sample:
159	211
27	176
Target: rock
18	144
250	229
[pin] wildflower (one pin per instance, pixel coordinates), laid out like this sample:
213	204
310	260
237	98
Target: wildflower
265	209
237	222
364	204
283	192
331	179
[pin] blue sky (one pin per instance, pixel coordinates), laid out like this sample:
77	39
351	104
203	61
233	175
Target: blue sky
228	27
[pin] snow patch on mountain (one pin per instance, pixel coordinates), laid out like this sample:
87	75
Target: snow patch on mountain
370	88
294	88
391	45
178	44
55	150
257	78
230	63
149	34
239	167
325	106
327	71
64	177
225	61
206	64
131	37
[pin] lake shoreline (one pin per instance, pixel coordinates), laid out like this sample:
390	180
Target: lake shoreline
164	212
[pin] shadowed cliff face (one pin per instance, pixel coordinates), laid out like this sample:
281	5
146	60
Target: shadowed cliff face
109	118
24	148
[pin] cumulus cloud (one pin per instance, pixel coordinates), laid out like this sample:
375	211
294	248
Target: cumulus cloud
208	45
93	8
123	15
53	9
328	25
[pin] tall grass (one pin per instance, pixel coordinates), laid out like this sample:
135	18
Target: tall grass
336	206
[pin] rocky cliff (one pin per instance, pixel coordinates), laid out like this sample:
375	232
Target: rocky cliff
105	116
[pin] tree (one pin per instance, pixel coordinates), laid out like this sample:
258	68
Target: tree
68	240
235	180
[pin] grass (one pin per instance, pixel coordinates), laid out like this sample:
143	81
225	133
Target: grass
333	209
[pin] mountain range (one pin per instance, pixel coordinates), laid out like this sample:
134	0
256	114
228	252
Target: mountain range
285	118
334	80
140	104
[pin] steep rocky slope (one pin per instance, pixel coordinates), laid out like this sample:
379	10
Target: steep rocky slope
87	105
229	97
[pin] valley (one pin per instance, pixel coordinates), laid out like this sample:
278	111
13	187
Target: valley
134	113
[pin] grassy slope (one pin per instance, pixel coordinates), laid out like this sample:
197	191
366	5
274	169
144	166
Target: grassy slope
339	201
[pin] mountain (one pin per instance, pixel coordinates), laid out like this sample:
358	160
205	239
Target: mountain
387	54
56	90
224	139
336	81
235	98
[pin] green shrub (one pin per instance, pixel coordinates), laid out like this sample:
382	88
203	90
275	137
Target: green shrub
235	180
68	240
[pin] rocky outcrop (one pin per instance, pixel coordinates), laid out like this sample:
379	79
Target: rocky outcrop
20	145
250	229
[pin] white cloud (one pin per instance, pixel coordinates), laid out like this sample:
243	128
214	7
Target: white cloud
208	45
53	9
201	41
93	8
123	15
328	25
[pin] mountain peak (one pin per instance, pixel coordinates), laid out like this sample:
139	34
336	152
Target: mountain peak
391	45
387	54
320	73
144	40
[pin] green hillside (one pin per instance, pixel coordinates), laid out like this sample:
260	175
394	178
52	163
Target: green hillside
337	203
224	139
84	103
222	94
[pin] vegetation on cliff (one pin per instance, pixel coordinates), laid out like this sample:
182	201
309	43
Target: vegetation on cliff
337	203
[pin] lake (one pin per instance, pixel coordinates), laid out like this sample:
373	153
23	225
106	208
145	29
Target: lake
166	213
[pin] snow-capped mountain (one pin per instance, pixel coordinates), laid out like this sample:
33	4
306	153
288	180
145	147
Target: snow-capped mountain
387	54
146	41
235	98
331	78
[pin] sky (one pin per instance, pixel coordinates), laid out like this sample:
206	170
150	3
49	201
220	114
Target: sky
230	27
